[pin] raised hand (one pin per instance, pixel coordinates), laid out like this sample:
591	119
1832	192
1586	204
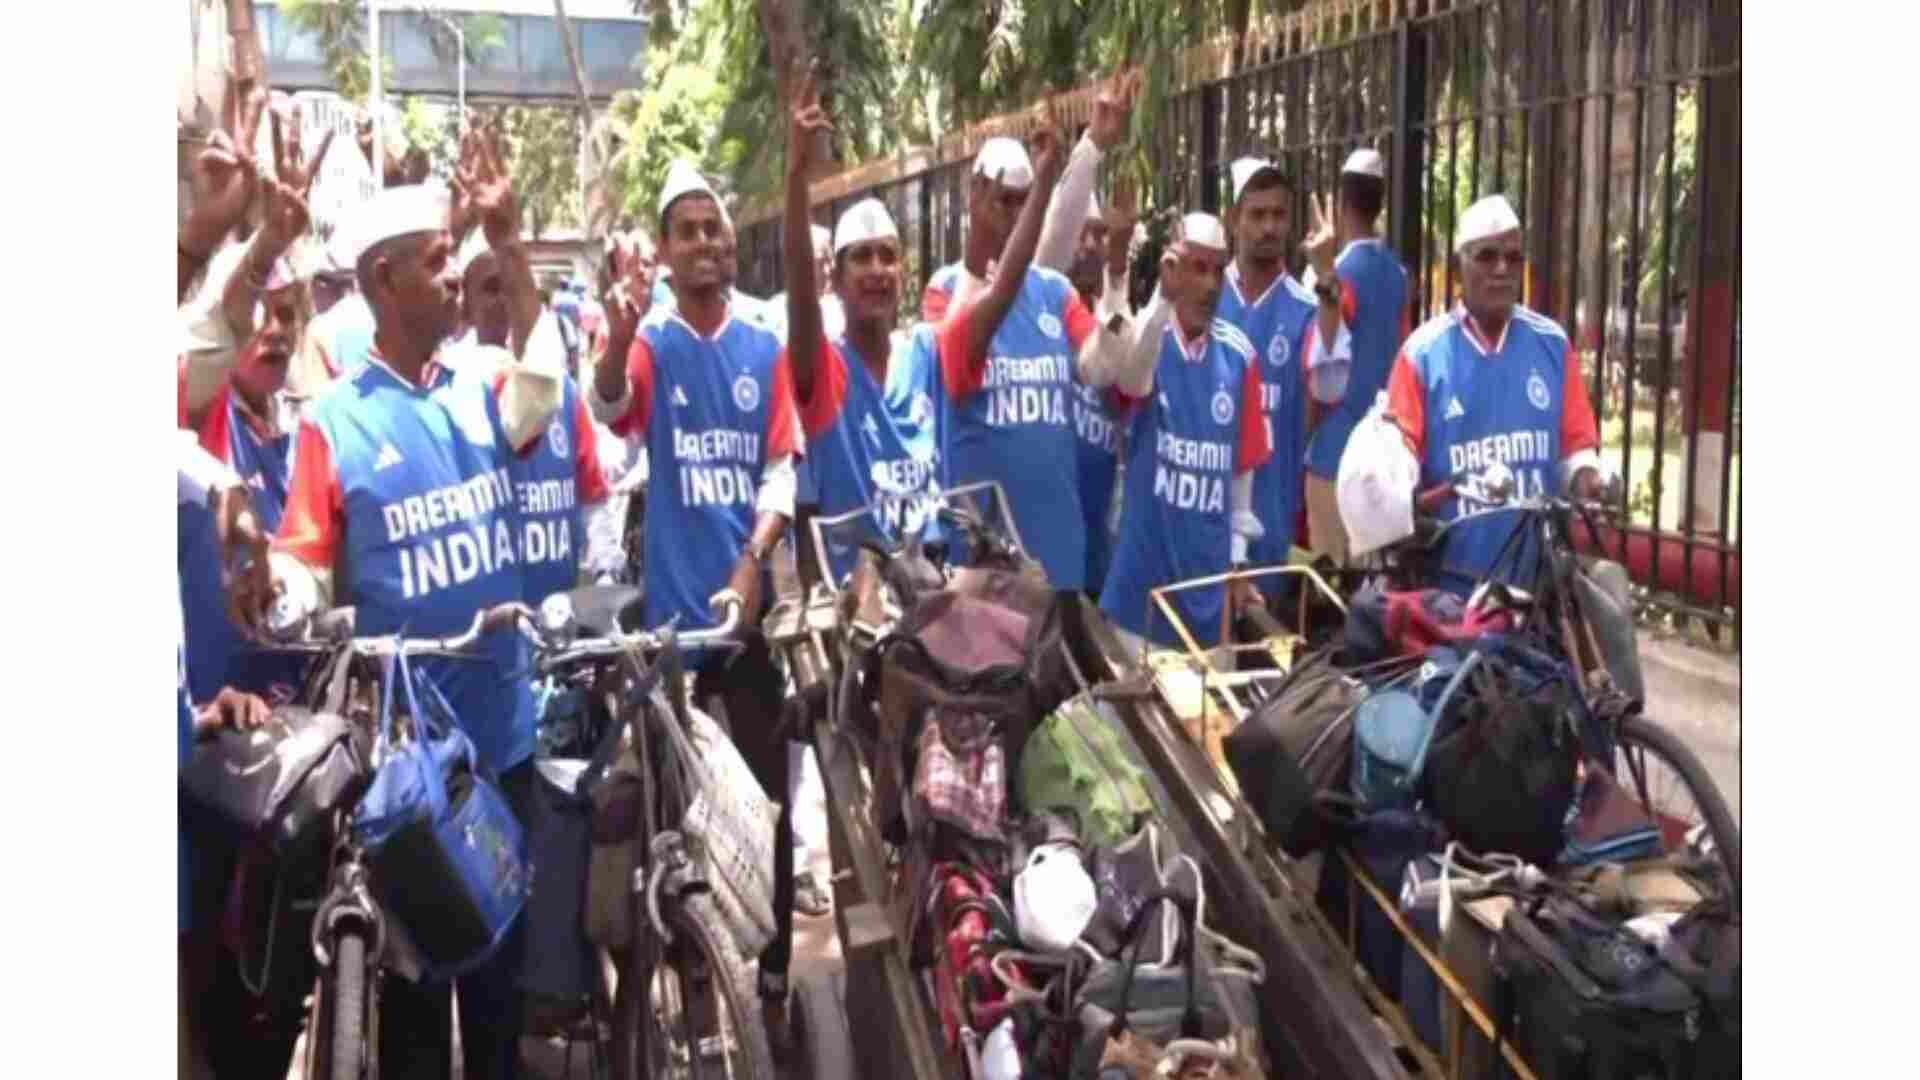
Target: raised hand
488	188
809	128
1320	235
290	164
1044	145
627	293
223	176
1113	111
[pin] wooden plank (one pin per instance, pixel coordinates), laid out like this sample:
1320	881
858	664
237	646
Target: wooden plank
1314	1019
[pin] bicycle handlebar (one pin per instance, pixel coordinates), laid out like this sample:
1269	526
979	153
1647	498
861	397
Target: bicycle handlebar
334	629
555	652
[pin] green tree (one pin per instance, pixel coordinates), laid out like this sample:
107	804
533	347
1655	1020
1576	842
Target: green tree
674	116
543	153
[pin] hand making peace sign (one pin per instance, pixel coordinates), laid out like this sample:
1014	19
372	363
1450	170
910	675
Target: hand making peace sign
808	126
1320	235
1113	111
483	181
223	176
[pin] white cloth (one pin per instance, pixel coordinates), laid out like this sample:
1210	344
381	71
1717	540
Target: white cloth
397	211
1376	482
1243	170
1070	207
200	474
1053	898
1244	524
778	485
1004	159
1489	217
865	220
1365	162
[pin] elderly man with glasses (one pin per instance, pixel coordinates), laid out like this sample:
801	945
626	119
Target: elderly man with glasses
1492	389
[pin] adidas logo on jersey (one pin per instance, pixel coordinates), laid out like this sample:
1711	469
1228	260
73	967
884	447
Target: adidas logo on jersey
1454	411
388	456
679	397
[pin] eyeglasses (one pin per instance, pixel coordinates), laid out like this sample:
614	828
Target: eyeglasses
1487	257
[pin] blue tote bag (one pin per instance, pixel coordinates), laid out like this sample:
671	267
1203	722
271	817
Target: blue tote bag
448	856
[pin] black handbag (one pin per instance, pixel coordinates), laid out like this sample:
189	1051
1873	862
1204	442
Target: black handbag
1581	997
1504	778
1292	756
1193	999
277	783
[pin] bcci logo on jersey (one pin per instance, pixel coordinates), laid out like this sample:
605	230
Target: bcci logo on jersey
746	393
1278	351
557	437
1537	392
1049	325
1222	407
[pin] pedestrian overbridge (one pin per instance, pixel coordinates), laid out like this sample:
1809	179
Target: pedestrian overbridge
529	65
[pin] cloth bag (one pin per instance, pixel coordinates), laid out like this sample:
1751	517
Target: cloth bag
731	823
1375	484
1130	1013
1075	759
1297	746
449	858
277	784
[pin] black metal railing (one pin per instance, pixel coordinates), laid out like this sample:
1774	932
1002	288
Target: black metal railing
1612	125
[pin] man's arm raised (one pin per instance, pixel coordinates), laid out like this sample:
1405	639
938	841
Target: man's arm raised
805	324
966	336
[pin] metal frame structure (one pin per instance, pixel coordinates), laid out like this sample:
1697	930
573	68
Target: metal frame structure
1614	125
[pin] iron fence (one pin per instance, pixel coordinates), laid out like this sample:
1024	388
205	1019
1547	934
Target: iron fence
1614	127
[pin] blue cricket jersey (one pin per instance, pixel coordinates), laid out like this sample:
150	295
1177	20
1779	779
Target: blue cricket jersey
1201	425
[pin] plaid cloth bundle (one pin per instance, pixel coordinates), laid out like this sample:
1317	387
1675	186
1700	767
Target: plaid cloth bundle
960	776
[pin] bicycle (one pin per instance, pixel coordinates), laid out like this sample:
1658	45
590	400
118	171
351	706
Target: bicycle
350	933
699	989
1581	610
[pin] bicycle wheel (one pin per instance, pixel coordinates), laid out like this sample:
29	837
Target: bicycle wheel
702	1007
1669	780
348	1038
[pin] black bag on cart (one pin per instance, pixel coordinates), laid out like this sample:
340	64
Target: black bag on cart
1582	996
1297	746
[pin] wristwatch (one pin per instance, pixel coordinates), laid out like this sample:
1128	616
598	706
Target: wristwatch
1328	288
757	553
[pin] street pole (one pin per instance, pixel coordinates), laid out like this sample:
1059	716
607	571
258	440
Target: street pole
460	44
373	97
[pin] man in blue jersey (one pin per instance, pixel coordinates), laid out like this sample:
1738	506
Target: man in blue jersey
713	399
1195	437
1290	330
558	483
1012	341
402	504
861	453
1090	248
1374	301
1493	389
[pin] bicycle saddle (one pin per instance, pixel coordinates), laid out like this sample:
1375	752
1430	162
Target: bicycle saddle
598	610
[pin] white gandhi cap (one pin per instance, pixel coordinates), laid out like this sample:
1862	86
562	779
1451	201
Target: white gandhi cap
1204	230
1365	162
1004	159
684	179
863	221
1490	216
1245	169
398	211
475	246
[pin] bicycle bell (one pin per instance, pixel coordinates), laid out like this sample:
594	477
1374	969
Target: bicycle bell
556	616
